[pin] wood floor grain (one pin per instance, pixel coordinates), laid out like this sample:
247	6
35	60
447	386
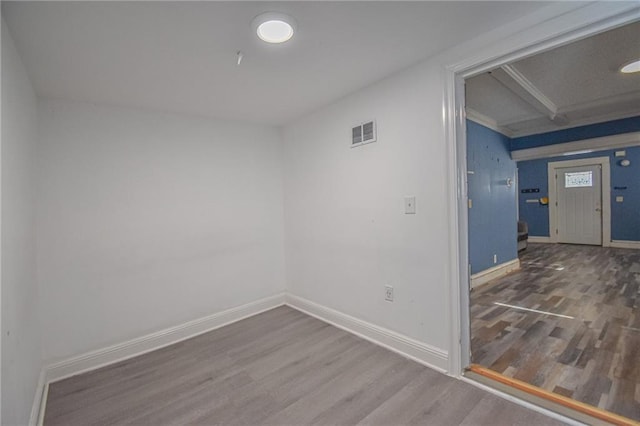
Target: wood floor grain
584	343
281	367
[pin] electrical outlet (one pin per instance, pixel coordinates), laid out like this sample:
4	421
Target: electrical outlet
388	293
409	205
495	258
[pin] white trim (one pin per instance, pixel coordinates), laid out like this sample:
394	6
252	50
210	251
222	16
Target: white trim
595	144
606	194
457	210
420	352
141	345
537	240
494	272
551	26
43	404
487	122
38	400
625	244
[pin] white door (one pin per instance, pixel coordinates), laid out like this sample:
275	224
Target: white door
579	192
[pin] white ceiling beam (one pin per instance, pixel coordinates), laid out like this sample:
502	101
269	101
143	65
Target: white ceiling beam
510	77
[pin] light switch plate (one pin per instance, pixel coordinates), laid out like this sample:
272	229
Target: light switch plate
409	205
619	198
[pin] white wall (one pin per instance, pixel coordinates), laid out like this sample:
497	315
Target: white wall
346	231
21	353
147	220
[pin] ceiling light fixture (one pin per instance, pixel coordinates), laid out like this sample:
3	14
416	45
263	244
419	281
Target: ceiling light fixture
274	27
631	67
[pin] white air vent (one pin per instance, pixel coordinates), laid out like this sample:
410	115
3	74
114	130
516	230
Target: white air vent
363	133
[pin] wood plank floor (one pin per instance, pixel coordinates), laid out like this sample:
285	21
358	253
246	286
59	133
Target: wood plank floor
590	353
281	367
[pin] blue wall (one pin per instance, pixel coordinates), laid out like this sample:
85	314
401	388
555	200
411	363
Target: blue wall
625	216
533	174
492	218
615	127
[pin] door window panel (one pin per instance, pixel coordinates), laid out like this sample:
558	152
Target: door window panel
578	179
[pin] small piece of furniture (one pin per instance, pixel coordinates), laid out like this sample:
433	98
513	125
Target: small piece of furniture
523	235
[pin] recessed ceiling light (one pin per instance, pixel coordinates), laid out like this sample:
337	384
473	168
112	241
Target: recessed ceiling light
631	67
274	27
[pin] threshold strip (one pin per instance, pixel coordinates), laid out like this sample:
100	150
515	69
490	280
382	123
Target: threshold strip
572	404
532	310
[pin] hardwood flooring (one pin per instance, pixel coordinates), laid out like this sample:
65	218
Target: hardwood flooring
587	344
281	367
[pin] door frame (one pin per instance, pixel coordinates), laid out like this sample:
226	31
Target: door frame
552	26
605	183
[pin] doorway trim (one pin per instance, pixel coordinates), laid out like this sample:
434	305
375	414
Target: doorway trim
552	26
605	182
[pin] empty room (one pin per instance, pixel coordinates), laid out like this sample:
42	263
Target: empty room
263	213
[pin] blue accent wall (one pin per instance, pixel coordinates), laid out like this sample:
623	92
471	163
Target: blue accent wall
533	174
625	216
615	127
492	217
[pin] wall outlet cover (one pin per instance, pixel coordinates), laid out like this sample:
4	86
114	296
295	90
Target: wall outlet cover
388	293
410	205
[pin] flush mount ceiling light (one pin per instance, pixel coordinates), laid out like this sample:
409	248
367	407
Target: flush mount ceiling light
631	67
274	27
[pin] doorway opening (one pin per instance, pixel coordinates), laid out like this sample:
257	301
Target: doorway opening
539	319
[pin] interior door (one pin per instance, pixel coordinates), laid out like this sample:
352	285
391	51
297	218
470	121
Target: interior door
579	192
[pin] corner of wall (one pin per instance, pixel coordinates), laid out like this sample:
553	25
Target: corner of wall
21	328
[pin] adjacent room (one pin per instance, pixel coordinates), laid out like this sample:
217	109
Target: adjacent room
554	220
256	213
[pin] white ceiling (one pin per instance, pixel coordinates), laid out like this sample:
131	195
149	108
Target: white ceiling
181	56
579	83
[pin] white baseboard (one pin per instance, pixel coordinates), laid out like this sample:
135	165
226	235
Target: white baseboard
535	240
138	346
625	244
38	400
423	353
494	272
613	243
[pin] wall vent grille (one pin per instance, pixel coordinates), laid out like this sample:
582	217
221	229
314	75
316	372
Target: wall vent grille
363	133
